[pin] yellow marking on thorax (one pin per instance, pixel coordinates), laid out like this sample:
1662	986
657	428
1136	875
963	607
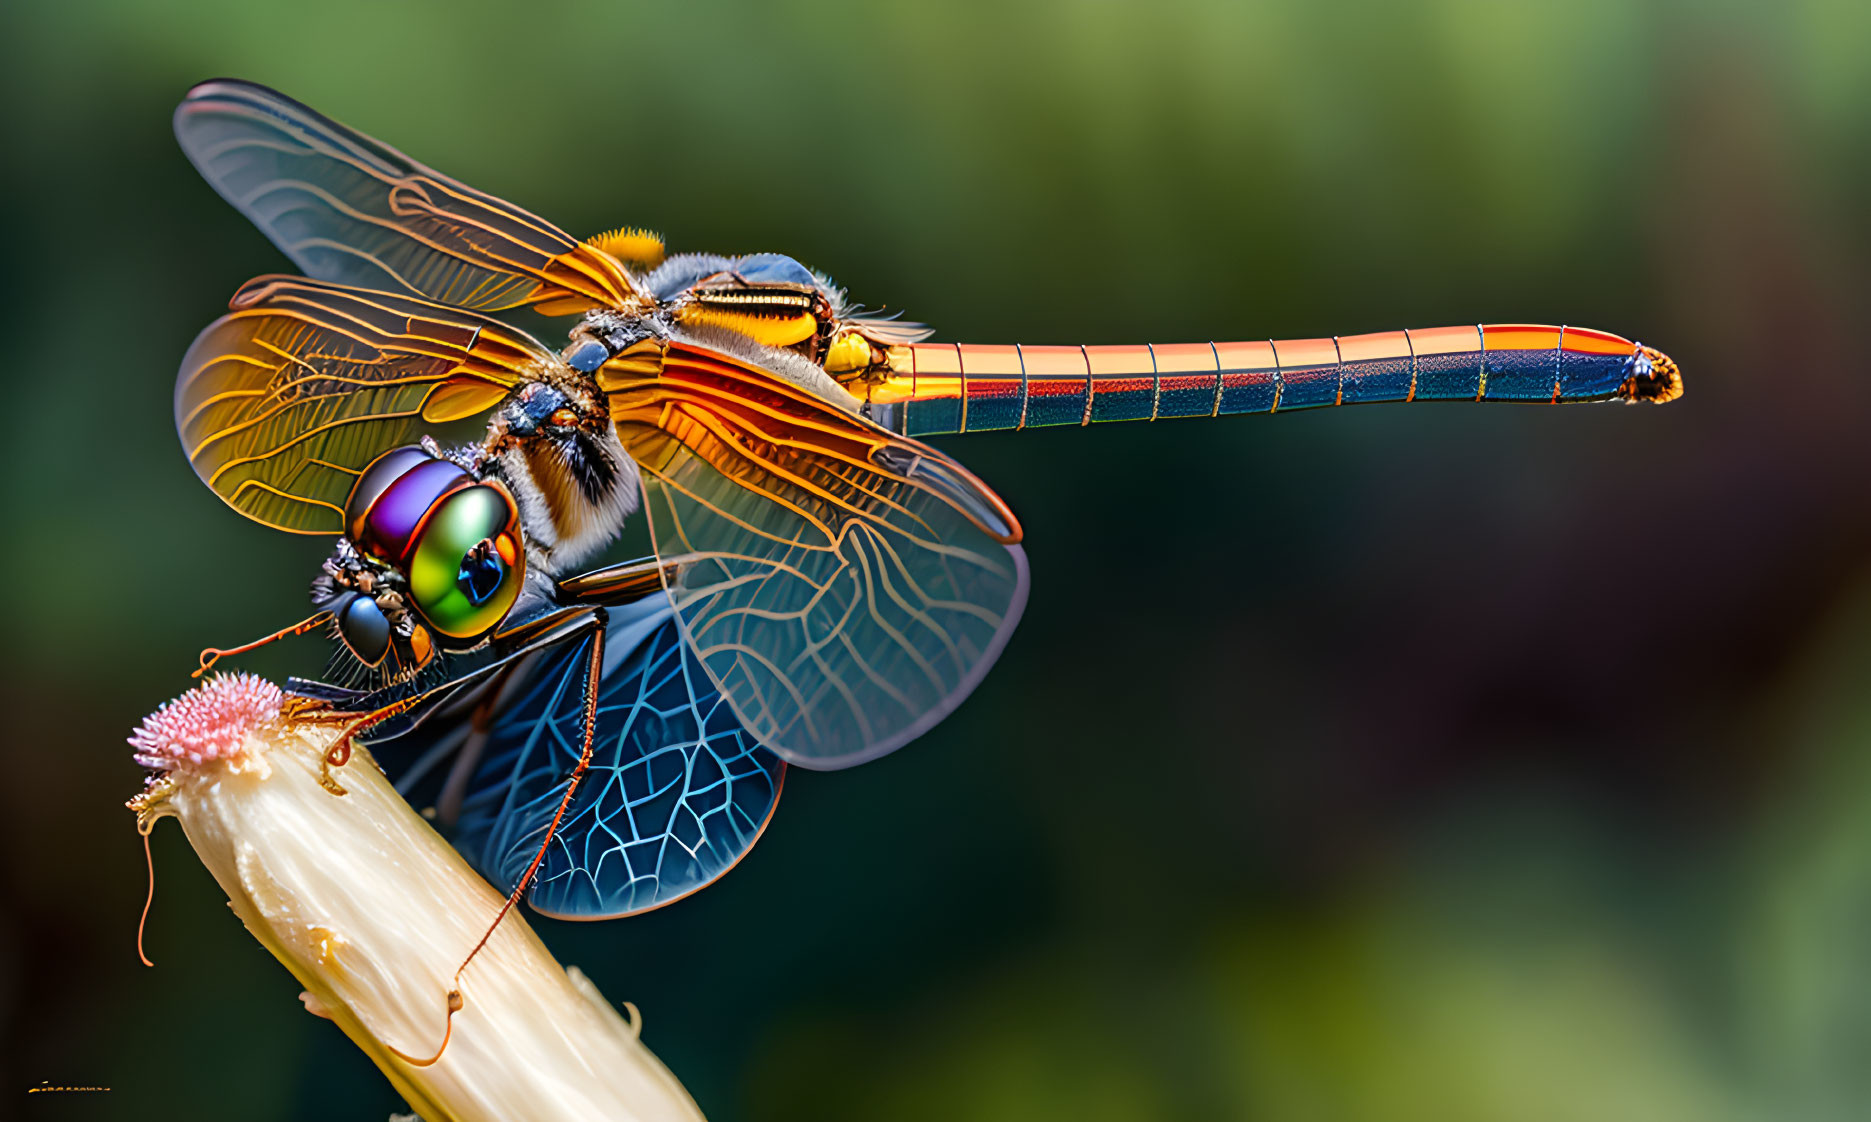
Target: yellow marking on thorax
773	325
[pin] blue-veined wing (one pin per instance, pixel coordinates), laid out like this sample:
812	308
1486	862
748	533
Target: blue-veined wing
675	794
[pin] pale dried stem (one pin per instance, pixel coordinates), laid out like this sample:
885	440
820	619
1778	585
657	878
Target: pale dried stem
373	912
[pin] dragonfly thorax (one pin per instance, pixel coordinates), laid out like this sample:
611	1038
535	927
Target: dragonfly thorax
768	298
772	300
555	448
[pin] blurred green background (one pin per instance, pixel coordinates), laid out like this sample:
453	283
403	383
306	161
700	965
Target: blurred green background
1444	763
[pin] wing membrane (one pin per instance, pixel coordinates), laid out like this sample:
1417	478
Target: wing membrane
845	587
282	402
676	794
349	209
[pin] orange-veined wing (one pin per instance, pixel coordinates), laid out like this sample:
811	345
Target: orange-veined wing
845	587
349	209
282	402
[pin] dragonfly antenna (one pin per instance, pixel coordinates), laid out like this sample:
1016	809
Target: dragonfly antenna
213	654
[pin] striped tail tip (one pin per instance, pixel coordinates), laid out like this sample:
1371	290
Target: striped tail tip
1654	377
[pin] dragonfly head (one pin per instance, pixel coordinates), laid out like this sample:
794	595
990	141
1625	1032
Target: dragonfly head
1651	375
433	557
378	636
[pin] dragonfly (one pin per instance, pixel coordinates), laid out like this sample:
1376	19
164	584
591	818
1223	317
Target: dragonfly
826	586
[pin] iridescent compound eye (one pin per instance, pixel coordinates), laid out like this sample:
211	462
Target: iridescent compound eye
467	567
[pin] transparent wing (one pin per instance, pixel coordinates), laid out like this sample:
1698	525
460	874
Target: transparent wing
352	210
677	791
282	402
845	587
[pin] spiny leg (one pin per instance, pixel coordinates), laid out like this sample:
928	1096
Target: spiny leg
340	754
594	670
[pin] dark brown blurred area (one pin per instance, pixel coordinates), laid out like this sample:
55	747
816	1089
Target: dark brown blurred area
1433	762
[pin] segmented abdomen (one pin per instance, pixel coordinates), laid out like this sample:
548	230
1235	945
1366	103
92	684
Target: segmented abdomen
958	387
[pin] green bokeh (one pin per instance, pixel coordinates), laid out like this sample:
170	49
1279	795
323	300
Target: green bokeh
1445	763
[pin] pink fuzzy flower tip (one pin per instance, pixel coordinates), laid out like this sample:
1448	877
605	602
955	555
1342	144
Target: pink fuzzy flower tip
209	722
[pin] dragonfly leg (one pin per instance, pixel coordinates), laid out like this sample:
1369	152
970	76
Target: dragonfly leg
594	670
618	584
354	726
339	755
